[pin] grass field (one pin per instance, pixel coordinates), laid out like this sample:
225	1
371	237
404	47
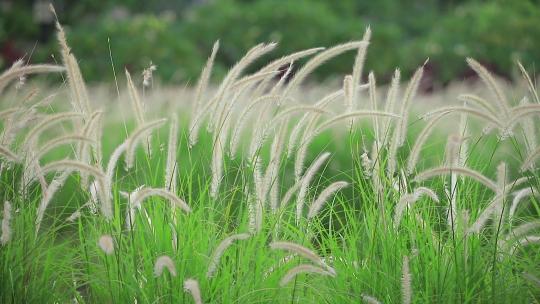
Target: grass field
261	189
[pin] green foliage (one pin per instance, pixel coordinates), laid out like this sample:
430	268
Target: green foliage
178	37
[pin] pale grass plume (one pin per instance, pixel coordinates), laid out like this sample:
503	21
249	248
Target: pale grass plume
48	121
303	252
464	134
492	85
529	130
281	262
408	200
9	155
271	178
59	141
252	79
287	59
164	262
348	92
479	102
486	214
529	162
317	205
519	196
78	83
111	165
376	174
289	194
135	139
525	241
147	75
341	117
522	230
106	243
136	103
192	286
204	78
171	169
359	60
218	252
19	70
147	192
306	180
367	164
301	152
452	158
530	84
48	194
406	278
6	224
79	94
242	119
296	131
310	133
256	214
318	60
130	211
279	85
369	299
373	101
304	268
219	113
468	110
217	165
198	113
83	151
408	96
68	164
421	139
459	170
277	119
391	97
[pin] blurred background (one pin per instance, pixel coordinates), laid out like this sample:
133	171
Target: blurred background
177	36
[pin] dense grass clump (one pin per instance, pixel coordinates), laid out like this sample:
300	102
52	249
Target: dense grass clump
263	195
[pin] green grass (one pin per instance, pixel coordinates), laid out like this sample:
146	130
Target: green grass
63	261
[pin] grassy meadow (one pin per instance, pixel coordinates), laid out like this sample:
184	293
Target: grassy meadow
264	188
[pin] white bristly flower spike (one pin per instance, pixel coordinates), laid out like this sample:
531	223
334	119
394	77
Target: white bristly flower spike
106	243
226	243
6	228
163	262
192	286
406	290
147	74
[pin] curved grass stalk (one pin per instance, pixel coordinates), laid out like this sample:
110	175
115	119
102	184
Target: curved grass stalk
203	82
318	60
316	205
528	163
530	84
18	70
306	180
242	118
9	155
303	252
408	96
134	139
460	109
459	170
420	141
305	268
479	101
486	77
220	249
